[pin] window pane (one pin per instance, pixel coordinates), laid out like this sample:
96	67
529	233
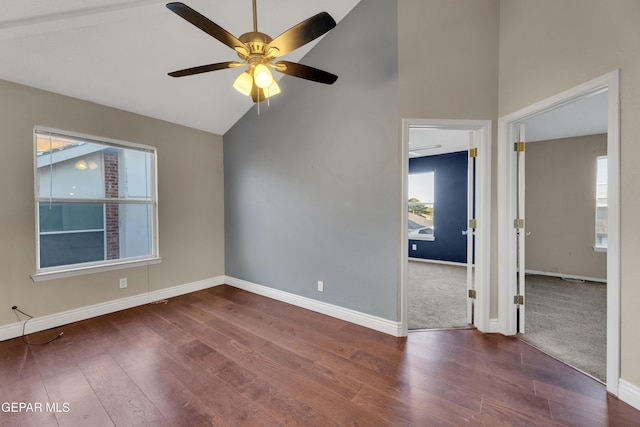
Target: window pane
71	248
71	174
56	217
96	199
421	204
602	210
135	230
69	168
136	175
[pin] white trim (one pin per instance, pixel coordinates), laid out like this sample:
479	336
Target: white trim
437	261
403	253
425	238
373	322
57	233
89	269
629	393
613	234
93	138
506	239
64	318
482	134
493	326
469	232
565	276
521	214
506	211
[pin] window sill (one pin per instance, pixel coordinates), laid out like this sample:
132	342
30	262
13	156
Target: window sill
600	249
79	271
423	238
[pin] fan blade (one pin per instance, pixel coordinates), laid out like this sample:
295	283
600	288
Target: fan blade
301	34
305	72
205	68
208	26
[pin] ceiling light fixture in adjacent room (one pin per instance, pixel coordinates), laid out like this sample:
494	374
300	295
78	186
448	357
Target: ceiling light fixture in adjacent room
81	165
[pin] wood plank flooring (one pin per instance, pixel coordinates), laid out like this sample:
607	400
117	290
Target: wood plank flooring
226	357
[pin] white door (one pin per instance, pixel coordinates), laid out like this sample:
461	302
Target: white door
519	225
471	227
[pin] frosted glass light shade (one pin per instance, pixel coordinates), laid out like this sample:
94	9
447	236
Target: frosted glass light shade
244	83
273	89
262	76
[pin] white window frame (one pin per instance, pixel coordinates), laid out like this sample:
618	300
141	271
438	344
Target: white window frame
57	272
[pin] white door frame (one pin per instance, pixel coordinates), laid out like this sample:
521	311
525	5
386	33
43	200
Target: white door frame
481	130
506	211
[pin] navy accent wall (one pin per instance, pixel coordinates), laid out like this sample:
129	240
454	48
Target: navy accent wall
450	202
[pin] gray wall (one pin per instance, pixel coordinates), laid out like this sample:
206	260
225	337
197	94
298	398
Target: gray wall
311	183
560	206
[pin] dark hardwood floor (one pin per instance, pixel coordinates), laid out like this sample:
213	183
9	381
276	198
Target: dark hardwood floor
227	357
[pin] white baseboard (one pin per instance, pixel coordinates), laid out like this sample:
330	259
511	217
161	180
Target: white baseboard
373	322
493	326
629	393
566	276
63	318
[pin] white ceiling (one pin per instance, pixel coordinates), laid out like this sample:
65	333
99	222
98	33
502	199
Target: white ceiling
584	116
587	115
430	141
118	52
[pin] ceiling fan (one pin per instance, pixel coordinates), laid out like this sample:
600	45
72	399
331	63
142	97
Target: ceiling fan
258	51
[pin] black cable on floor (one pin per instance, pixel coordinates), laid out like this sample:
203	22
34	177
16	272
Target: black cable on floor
16	310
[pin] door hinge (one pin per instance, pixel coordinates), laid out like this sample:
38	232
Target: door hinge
518	223
518	299
518	146
472	293
473	223
473	152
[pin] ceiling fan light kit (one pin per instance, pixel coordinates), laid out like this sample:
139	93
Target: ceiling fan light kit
258	51
244	83
262	76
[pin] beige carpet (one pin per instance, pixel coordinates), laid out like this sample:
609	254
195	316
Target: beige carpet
568	320
565	319
436	295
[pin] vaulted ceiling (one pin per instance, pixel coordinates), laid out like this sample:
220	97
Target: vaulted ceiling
118	52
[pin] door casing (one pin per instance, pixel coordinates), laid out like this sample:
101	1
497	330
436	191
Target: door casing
481	132
507	131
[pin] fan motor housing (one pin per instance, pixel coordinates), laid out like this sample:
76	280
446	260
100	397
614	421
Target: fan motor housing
256	42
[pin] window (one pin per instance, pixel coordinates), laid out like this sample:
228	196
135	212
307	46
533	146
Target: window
421	206
601	204
96	203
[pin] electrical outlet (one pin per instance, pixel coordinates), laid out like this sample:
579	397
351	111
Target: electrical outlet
123	283
414	247
320	286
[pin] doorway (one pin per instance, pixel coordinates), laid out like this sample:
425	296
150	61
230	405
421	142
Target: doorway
470	136
512	231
